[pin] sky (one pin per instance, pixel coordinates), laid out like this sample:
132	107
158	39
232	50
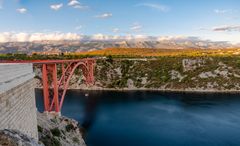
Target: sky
217	20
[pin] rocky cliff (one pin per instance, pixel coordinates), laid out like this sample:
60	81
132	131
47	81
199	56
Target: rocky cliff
52	130
170	73
59	131
164	73
16	138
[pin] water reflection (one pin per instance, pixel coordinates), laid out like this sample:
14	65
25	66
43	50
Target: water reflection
90	111
155	118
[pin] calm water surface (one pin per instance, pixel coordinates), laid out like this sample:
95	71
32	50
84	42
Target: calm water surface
154	118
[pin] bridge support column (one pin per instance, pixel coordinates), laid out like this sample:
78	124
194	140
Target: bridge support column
45	88
55	88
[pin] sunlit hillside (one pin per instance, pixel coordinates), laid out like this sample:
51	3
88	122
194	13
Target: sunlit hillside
143	52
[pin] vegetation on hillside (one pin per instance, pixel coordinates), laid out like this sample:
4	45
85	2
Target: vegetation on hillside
158	68
127	53
180	73
143	52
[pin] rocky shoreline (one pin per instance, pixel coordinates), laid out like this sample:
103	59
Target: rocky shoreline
152	89
53	130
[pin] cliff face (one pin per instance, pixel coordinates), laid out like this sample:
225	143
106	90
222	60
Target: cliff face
165	73
52	130
59	131
16	138
17	98
168	73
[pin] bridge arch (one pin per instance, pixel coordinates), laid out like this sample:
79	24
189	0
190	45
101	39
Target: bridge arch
85	71
55	102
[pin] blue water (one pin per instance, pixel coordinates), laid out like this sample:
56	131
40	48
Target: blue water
154	118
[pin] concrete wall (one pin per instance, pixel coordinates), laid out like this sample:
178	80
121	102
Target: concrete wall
17	99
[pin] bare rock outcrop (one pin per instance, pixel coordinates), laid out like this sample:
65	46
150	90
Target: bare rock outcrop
59	131
16	138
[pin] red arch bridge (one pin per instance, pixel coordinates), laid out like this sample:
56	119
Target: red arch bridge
56	75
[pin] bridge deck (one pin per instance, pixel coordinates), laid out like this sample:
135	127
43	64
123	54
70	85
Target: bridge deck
46	61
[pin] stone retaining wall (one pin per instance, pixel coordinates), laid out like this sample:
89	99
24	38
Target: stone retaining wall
17	99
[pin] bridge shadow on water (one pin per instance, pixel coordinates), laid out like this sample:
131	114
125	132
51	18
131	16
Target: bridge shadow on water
80	106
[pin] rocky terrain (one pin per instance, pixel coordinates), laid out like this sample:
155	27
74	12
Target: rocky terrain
16	138
165	73
53	130
171	73
59	131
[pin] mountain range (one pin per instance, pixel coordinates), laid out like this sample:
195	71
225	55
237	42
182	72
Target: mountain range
90	44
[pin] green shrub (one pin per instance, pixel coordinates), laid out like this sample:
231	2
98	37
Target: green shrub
56	132
238	63
76	140
40	129
50	141
54	120
69	127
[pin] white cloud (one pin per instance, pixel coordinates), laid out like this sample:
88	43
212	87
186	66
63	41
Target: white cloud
29	37
56	6
76	4
73	3
80	7
202	28
78	27
58	36
177	37
217	11
100	37
104	15
22	10
136	27
159	7
224	11
227	28
116	30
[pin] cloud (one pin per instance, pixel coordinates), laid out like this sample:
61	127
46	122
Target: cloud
217	11
22	10
78	27
116	30
177	38
77	5
27	37
227	28
56	6
58	36
202	28
104	15
136	27
158	7
73	3
224	11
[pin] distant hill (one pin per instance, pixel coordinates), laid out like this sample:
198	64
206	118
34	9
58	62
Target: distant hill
150	52
91	45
